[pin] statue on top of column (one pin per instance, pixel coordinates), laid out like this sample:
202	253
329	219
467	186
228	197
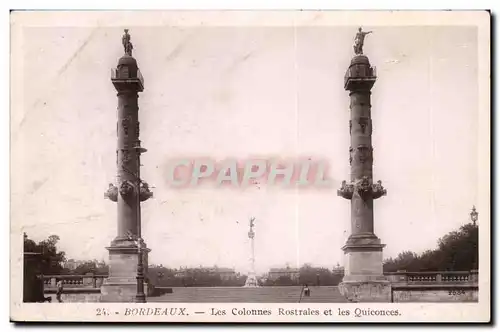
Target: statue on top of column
252	223
127	45
359	40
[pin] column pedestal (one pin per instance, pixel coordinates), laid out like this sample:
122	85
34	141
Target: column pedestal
251	280
121	284
364	279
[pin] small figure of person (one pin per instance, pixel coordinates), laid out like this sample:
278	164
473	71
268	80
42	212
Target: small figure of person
59	290
307	291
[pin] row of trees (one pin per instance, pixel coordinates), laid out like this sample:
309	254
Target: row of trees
165	277
91	266
51	260
456	251
309	275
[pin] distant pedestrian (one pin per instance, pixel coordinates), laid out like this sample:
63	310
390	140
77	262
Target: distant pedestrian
307	291
59	290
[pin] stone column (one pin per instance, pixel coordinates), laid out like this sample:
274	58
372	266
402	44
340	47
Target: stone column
130	190
363	279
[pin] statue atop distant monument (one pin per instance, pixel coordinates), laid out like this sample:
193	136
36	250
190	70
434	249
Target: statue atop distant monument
359	40
127	45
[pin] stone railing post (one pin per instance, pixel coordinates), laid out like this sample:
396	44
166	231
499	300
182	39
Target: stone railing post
94	281
439	278
53	282
403	277
474	276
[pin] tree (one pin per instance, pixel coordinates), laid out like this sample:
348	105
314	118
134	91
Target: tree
456	251
50	259
318	276
284	281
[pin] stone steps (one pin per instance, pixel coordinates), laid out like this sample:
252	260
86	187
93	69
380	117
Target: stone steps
291	294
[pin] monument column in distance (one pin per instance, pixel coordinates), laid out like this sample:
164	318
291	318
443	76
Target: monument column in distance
252	277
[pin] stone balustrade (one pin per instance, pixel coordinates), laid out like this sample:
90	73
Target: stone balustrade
440	286
74	281
436	277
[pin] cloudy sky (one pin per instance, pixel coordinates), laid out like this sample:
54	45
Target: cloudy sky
239	92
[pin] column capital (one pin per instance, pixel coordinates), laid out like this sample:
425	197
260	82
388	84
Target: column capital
364	187
111	193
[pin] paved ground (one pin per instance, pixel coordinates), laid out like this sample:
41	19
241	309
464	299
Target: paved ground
290	294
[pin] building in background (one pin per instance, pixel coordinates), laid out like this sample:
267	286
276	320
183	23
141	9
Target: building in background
222	272
276	273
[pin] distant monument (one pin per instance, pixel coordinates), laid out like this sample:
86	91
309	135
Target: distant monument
125	255
363	280
252	278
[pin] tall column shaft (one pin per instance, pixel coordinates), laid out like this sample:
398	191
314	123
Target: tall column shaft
361	160
128	163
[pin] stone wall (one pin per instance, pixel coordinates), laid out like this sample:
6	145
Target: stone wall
437	293
76	297
441	286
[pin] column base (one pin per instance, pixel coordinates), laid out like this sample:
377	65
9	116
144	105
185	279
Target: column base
121	284
251	281
364	279
120	291
366	291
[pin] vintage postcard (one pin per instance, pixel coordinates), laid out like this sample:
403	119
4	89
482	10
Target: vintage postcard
250	166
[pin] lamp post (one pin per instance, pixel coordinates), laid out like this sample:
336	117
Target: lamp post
140	296
474	215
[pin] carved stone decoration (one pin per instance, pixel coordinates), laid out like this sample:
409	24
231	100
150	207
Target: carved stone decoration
126	188
363	186
350	155
364	153
346	190
137	129
125	156
126	124
377	190
364	122
111	193
350	127
144	192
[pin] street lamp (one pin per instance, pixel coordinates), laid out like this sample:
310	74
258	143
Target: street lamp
474	215
142	193
140	296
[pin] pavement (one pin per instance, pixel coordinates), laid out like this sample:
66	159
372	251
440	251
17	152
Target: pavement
284	294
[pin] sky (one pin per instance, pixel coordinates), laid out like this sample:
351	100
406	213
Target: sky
240	92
